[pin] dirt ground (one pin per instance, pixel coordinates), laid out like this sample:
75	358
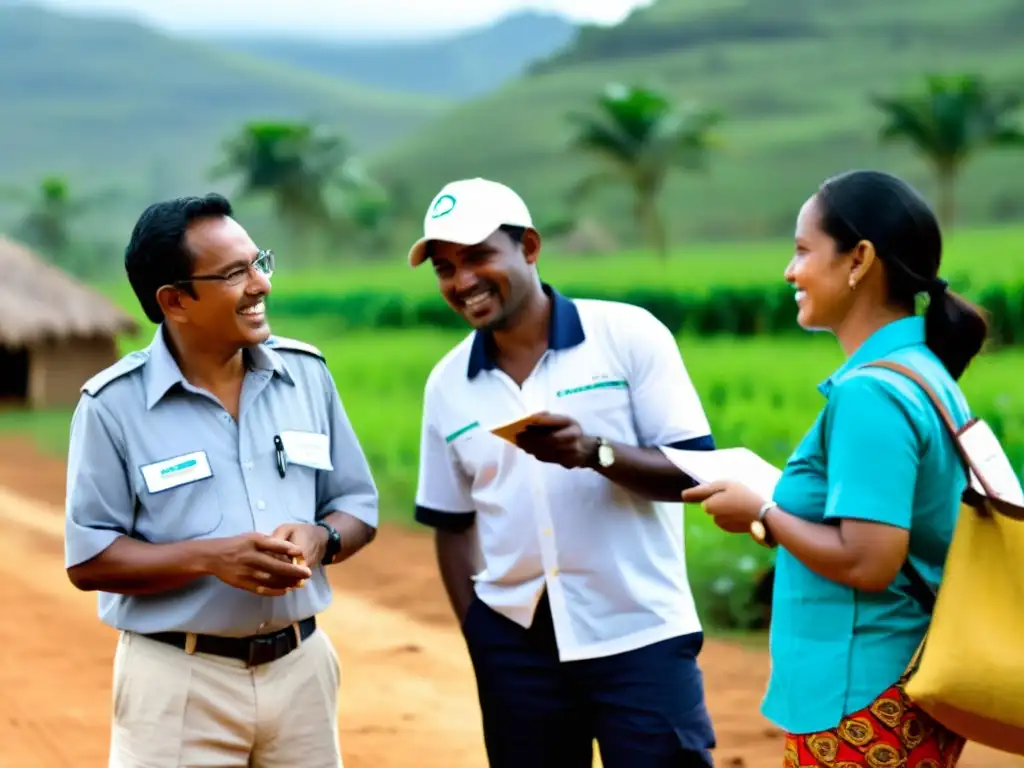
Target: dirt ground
407	699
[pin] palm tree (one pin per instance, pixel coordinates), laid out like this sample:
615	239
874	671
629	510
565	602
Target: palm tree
51	212
292	163
641	136
948	121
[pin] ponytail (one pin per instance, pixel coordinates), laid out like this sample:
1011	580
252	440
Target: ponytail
955	329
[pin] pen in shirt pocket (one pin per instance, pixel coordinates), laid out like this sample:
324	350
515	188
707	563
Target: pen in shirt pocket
282	465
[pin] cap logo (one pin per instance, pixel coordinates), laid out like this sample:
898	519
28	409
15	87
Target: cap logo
444	205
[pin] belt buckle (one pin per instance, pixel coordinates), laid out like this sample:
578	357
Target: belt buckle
266	649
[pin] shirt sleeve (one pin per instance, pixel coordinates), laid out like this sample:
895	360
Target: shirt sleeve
666	406
99	504
873	452
349	487
443	496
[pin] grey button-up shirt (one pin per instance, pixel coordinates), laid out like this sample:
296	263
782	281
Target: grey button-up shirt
155	458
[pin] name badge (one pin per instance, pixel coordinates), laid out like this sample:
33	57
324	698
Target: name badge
181	470
308	449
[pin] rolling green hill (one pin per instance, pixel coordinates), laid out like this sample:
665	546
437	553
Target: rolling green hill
110	101
457	66
793	76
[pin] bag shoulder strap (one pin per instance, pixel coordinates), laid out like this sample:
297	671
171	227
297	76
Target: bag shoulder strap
919	588
918	379
947	419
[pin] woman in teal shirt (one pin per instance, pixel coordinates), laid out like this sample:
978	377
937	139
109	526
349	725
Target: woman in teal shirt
875	480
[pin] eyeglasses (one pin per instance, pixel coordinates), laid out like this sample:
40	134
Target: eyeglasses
263	263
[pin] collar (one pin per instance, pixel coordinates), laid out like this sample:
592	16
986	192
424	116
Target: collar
564	332
163	374
906	332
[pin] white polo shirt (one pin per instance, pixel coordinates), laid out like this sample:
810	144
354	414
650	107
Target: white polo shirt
613	562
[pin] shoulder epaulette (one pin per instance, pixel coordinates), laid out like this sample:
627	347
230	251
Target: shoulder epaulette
284	344
130	362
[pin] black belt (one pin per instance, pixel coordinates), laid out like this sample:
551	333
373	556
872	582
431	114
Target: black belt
254	649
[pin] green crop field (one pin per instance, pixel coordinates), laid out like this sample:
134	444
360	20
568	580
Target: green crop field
980	256
973	257
759	393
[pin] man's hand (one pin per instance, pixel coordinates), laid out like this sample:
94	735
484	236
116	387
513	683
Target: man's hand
258	563
311	539
558	440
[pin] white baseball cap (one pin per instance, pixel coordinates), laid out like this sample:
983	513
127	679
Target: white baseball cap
467	212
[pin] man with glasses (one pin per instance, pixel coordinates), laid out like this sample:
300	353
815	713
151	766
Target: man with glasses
211	478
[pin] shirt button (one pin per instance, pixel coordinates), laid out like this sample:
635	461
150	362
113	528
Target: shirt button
554	572
547	531
260	504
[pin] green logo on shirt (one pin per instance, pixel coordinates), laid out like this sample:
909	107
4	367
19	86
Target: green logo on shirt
460	432
613	384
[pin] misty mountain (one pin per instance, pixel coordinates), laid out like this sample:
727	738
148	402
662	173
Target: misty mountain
458	66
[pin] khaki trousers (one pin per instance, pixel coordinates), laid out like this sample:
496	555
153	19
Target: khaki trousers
175	710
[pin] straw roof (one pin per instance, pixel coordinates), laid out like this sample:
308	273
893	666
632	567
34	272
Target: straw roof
39	302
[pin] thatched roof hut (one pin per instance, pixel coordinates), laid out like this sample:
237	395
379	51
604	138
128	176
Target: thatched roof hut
55	332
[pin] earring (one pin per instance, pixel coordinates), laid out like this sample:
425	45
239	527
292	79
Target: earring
853	284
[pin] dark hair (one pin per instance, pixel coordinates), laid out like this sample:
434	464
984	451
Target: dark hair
896	219
156	254
515	233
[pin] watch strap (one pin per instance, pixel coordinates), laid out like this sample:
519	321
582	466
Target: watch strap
333	542
767	507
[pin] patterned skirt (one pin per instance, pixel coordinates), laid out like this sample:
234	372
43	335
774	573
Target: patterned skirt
892	732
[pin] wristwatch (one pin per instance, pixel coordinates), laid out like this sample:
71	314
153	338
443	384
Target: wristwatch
605	455
758	530
333	543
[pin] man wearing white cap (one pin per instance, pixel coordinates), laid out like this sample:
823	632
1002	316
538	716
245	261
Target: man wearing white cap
561	551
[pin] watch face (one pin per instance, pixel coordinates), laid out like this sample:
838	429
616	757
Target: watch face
757	530
605	455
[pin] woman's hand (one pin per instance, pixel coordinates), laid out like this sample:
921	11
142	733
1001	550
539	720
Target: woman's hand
733	505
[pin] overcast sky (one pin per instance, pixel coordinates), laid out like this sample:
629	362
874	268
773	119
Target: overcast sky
343	18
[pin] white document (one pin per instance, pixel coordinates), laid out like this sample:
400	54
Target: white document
985	453
170	473
737	464
309	449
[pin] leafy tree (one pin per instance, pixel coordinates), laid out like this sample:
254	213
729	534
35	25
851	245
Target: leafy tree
291	163
948	120
640	136
52	210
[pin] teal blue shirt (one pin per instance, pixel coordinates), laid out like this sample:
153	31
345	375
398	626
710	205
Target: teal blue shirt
890	460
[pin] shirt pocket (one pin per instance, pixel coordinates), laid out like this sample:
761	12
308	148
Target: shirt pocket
297	491
191	510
